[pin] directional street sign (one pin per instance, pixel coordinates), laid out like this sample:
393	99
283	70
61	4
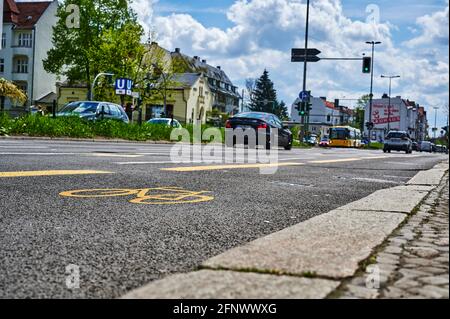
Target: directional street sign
301	52
298	55
304	96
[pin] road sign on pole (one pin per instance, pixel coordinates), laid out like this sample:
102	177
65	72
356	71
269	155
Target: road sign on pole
298	55
304	96
123	86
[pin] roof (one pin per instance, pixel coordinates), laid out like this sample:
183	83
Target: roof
185	80
24	14
48	98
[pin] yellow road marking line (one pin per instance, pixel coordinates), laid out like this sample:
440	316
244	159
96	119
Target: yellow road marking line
227	166
51	173
336	160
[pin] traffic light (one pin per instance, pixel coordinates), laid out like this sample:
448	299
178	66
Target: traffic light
302	111
367	64
370	125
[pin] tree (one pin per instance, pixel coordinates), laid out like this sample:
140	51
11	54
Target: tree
80	53
11	91
263	97
359	111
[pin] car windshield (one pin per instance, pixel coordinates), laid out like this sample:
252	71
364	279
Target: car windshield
325	139
160	121
396	135
253	115
80	107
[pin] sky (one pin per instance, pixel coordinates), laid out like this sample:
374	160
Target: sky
245	37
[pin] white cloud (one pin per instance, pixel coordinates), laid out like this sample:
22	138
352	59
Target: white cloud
434	30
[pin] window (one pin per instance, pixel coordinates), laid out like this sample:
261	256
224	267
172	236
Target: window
200	93
21	65
3	40
2	65
22	86
25	40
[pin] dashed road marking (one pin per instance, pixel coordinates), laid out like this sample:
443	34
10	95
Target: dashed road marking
51	173
227	166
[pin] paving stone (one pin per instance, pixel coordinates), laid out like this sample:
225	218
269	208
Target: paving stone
435	280
406	283
423	252
395	293
363	292
393	250
431	291
211	284
433	270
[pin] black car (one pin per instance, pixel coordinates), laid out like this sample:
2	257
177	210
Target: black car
90	110
258	122
415	146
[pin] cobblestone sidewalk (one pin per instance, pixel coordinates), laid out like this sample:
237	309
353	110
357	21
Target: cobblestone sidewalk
414	262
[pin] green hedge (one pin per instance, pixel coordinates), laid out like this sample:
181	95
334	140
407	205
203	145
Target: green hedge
74	127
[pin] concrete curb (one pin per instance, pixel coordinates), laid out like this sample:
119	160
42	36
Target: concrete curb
307	260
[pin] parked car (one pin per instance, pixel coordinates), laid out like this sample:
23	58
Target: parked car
310	140
258	121
415	146
92	111
398	141
166	122
441	149
426	146
324	141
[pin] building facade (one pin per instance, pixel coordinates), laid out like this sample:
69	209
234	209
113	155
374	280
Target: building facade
323	115
209	87
396	114
26	39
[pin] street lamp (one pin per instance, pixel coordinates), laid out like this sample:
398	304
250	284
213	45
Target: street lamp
390	77
435	121
372	43
91	95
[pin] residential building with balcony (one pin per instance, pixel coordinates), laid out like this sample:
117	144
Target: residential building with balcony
26	38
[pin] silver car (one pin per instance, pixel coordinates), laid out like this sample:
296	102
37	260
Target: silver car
398	141
426	147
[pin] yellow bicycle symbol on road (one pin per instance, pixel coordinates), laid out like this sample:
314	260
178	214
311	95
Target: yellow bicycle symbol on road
147	196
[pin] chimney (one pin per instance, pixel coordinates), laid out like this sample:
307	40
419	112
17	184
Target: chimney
177	50
154	43
219	67
323	98
196	57
204	61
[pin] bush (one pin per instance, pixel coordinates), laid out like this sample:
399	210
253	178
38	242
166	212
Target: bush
75	127
374	146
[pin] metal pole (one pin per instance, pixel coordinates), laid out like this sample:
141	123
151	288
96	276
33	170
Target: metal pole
371	94
435	122
305	69
389	106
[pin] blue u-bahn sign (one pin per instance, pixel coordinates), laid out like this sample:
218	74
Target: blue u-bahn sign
123	86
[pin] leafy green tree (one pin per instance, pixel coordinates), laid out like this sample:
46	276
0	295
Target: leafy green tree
81	52
263	98
359	111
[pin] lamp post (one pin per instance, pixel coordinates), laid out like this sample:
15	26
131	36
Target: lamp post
435	121
372	43
390	77
91	95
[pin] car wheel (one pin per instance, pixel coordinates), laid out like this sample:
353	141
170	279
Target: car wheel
288	147
384	151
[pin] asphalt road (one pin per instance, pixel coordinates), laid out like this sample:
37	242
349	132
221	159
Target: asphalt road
119	245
